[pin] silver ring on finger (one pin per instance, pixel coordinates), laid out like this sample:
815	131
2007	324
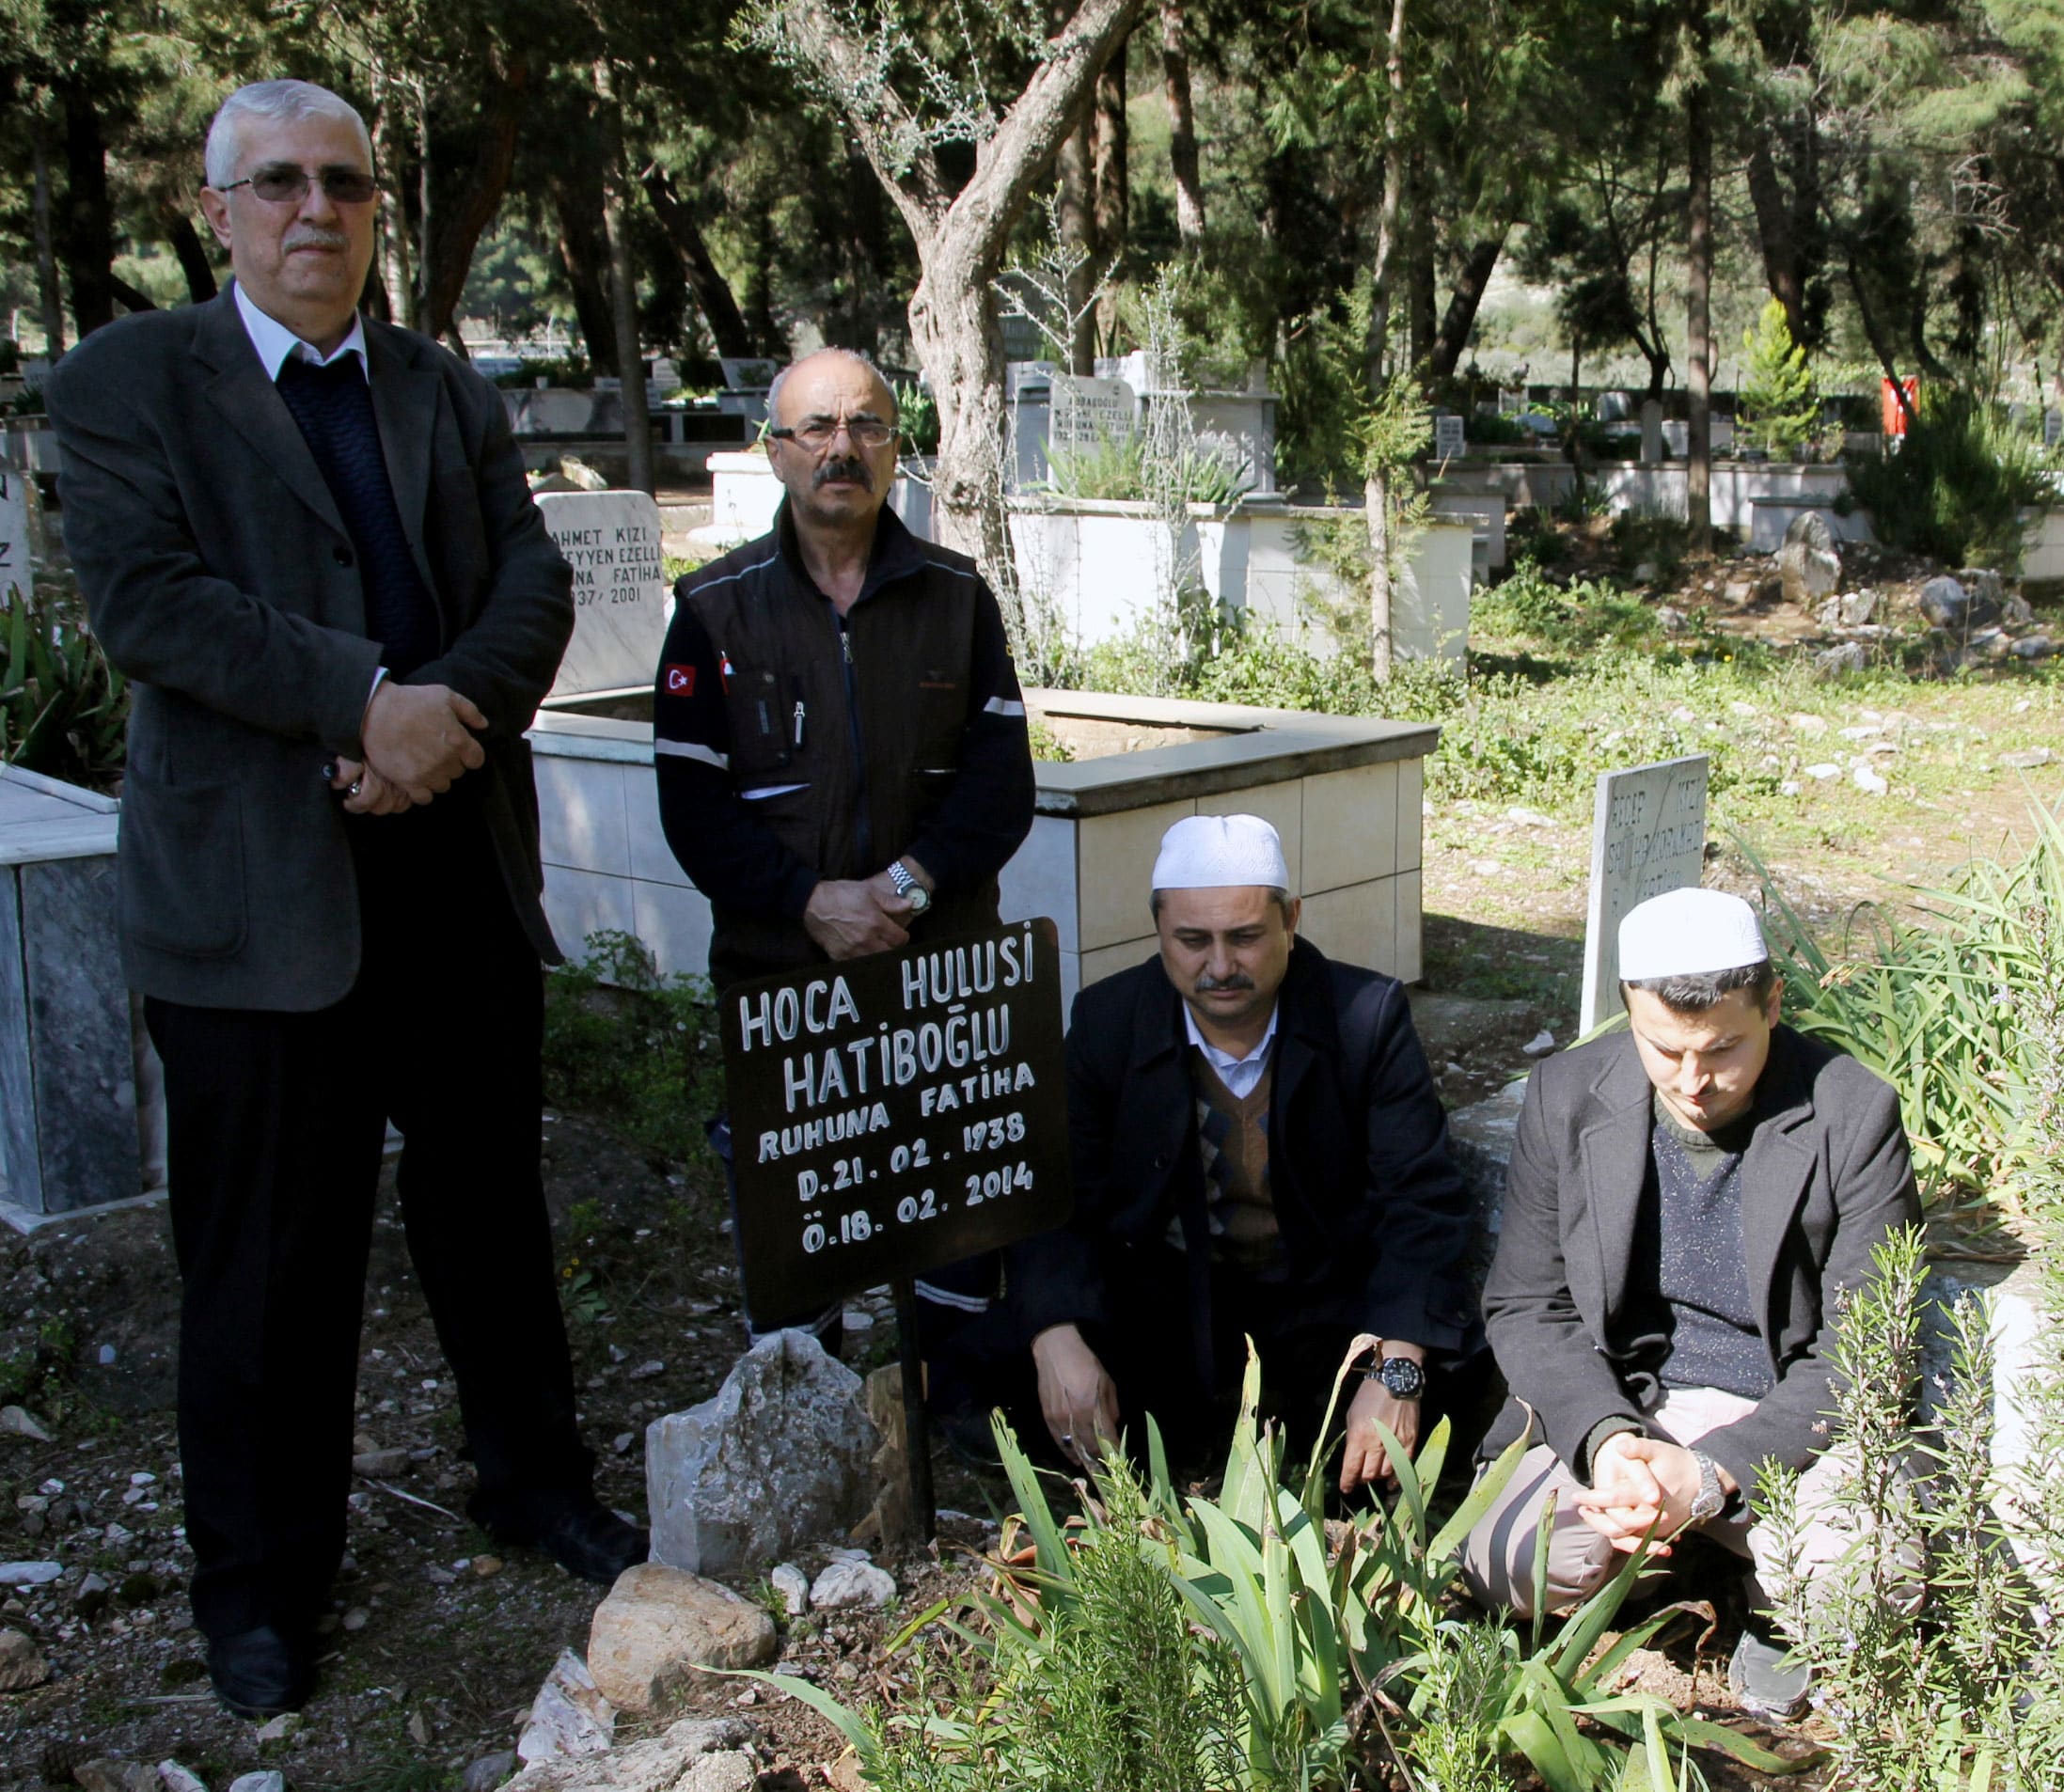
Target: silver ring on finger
357	786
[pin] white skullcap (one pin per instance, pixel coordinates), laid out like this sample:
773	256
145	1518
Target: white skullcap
1689	933
1217	852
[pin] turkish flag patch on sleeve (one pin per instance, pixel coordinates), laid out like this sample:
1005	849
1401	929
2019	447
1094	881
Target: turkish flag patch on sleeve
679	681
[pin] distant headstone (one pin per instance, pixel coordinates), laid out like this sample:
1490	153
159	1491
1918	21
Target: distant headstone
746	374
1647	836
1722	431
1082	413
1613	407
1511	402
611	540
1651	432
1447	437
14	567
665	376
1677	437
2052	428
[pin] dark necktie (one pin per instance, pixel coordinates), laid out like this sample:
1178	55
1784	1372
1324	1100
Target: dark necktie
333	405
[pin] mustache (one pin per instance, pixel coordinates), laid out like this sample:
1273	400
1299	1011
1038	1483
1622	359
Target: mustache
313	236
1208	985
843	467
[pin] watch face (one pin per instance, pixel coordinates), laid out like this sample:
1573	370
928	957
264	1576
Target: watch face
920	898
1404	1378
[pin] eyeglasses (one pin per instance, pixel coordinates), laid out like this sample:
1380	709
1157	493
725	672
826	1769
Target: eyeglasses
285	183
818	432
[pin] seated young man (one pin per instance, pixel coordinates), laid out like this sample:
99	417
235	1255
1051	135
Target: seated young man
1686	1203
1258	1152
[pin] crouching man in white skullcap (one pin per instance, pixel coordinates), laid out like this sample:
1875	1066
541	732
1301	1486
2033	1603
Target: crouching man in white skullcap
1258	1152
1687	1201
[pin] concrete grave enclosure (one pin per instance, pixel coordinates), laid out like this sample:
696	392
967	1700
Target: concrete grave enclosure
1345	795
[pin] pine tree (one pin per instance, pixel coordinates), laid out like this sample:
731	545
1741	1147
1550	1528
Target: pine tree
1780	405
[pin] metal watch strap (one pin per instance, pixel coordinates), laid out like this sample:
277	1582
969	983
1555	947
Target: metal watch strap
1711	1500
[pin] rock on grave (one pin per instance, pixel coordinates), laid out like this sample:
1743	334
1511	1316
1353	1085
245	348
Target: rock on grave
22	1663
668	1763
659	1625
117	1776
792	1584
1851	657
29	1574
1949	603
174	1778
272	1781
781	1457
853	1583
488	1772
569	1717
1810	565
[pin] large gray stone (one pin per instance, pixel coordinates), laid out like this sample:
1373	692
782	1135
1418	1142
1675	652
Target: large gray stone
660	1625
780	1458
568	1718
1480	1137
664	1763
1949	603
22	1663
1808	564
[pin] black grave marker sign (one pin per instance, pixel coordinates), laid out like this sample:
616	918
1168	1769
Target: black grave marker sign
895	1113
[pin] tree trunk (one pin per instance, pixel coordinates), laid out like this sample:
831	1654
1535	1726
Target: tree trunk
630	363
1460	318
586	259
1880	344
1075	214
386	156
1698	514
426	217
1421	292
1112	144
713	294
954	331
1781	271
1375	494
449	258
89	230
193	256
1181	131
49	298
1389	215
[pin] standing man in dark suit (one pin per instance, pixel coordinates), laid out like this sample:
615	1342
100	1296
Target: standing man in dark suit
307	539
1258	1152
1688	1200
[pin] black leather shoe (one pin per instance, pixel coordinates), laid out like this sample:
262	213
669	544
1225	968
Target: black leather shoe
592	1542
260	1673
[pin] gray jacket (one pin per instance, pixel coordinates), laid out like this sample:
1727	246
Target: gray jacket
1826	1176
219	577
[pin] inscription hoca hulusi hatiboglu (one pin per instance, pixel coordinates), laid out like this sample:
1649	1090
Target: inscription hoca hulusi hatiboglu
963	1040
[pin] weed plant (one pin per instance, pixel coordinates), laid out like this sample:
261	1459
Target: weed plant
64	709
1955	488
1931	1681
633	1047
1960	1016
1241	1643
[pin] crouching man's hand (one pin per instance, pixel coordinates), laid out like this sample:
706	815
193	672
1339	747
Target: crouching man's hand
1078	1399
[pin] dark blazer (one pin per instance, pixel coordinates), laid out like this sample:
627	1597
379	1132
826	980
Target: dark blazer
1375	1217
1826	1178
219	577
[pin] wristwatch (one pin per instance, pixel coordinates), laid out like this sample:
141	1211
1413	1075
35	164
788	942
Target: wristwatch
910	888
1404	1378
1711	1500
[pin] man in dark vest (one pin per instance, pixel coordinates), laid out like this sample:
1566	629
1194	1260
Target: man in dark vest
840	742
305	535
1688	1203
1259	1152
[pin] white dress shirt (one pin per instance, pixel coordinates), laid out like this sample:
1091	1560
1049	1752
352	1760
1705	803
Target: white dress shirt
1240	1075
275	341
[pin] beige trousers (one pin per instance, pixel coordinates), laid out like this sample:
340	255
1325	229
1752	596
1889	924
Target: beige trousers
1498	1555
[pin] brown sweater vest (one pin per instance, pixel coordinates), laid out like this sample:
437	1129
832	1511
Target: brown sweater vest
1233	1148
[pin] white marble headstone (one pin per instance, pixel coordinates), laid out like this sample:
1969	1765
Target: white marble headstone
611	540
14	566
1085	412
1447	437
2052	428
1647	836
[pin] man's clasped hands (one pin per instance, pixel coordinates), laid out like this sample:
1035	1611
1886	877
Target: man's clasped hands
418	741
1641	1485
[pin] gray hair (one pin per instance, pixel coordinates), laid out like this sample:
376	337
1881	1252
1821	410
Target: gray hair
854	355
1694	994
1278	895
277	101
